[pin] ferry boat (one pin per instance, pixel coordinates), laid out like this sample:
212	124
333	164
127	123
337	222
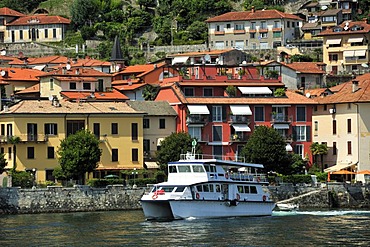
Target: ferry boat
202	187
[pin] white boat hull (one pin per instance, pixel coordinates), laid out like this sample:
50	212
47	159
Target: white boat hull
182	209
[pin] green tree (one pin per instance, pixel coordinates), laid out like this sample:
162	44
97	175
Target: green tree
266	146
21	179
79	153
3	162
84	12
21	5
172	147
14	140
319	150
150	92
198	30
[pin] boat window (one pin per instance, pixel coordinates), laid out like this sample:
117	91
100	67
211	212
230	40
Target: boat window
199	188
240	189
180	189
206	167
172	169
253	190
218	188
198	168
168	189
211	188
212	168
205	188
184	169
246	189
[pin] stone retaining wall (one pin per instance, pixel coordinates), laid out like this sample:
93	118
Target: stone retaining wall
84	198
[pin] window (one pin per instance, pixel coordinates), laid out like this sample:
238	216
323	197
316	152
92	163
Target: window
96	130
54	33
349	106
189	91
86	86
49	175
51	129
228	25
264	35
277	24
303	82
114	128
217	152
146	146
2	131
299	149
253	35
207	91
316	126
333	57
301	133
51	84
288	24
30	152
114	154
325	107
9	130
72	85
9	153
334	127
253	25
74	125
301	114
32	132
276	34
259	114
334	148
349	147
315	108
51	153
263	25
162	123
217	133
217	113
195	132
239	27
134	132
349	126
135	154
146	123
20	34
100	85
46	33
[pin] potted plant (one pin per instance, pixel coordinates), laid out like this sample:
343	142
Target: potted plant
231	91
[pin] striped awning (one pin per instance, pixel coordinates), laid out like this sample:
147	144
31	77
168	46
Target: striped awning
333	41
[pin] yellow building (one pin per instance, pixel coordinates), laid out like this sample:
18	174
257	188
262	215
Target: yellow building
346	47
42	124
342	121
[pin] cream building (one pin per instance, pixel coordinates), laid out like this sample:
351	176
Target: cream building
342	121
42	124
346	48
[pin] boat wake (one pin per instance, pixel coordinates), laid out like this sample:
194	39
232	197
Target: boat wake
321	213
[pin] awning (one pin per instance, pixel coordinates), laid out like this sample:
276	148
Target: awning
360	53
348	53
333	41
281	126
39	67
241	128
151	165
159	140
198	109
181	59
338	167
288	148
255	90
355	40
240	110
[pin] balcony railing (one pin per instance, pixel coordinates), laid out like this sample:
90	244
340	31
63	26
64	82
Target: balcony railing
239	119
197	119
276	118
26	138
239	137
202	138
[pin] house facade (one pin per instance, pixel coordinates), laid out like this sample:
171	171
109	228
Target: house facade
341	120
346	48
255	29
42	124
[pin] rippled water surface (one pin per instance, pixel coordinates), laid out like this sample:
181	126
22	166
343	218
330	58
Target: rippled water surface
129	228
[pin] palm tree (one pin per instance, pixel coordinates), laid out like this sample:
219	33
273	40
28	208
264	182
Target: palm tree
14	140
319	149
150	92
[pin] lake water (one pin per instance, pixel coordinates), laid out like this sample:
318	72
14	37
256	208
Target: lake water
129	228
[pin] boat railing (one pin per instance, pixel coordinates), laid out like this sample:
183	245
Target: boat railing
249	177
191	156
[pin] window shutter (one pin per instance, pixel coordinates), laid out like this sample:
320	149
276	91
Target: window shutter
224	115
308	133
294	133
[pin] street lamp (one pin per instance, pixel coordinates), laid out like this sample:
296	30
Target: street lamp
134	173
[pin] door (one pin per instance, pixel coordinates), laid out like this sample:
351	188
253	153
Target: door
33	34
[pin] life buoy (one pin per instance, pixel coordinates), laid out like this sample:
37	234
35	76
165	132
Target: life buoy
197	195
226	175
154	196
237	197
264	197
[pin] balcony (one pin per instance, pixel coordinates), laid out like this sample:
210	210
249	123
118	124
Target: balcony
34	138
219	33
277	118
202	138
239	31
197	119
239	119
239	137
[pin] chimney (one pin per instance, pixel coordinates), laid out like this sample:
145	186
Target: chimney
253	9
354	85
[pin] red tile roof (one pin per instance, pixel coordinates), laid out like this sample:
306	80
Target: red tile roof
346	95
129	87
21	74
100	96
9	12
237	83
124	82
88	62
33	89
76	78
363	24
201	53
250	15
305	67
139	69
40	19
42	60
80	72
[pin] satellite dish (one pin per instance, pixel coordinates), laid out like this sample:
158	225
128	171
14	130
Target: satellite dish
217	60
345	28
3	52
324	7
117	68
308	95
207	58
68	66
365	65
244	62
3	73
51	98
347	24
